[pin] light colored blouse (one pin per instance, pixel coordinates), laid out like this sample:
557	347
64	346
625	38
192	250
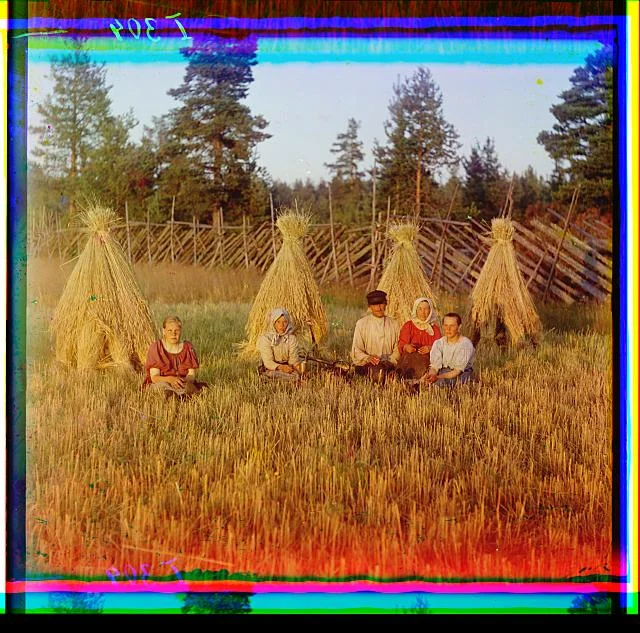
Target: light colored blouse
285	351
457	355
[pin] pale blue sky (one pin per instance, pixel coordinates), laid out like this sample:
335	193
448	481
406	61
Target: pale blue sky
308	100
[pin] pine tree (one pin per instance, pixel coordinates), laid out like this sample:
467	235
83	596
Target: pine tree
161	172
581	142
73	118
419	141
346	184
212	138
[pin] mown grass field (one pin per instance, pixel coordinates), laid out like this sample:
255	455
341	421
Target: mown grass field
507	478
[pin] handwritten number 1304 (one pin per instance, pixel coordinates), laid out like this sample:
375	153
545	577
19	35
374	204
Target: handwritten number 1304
135	28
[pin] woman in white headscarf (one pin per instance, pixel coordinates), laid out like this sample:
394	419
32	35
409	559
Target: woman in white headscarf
417	336
278	348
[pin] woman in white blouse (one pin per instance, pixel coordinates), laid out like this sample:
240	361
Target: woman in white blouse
278	348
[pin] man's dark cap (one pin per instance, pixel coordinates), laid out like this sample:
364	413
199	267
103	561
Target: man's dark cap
375	297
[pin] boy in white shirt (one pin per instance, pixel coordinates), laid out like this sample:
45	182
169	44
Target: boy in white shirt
451	357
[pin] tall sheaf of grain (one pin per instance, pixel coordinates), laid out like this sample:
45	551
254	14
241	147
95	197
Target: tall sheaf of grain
289	283
102	318
500	291
403	278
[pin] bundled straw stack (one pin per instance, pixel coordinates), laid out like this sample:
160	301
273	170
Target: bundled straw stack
102	319
290	284
403	278
500	294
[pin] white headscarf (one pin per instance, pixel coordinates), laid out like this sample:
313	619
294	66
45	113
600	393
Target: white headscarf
271	334
431	318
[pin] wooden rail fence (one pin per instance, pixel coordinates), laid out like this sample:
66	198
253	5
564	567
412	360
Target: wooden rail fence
451	251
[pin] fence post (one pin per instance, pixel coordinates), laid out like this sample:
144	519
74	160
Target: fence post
173	206
221	237
346	250
126	220
535	270
244	240
574	202
373	231
386	236
273	226
441	243
333	240
508	203
466	271
195	252
442	252
148	236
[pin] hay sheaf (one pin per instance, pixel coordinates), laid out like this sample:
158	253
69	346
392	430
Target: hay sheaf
289	283
403	278
500	291
102	319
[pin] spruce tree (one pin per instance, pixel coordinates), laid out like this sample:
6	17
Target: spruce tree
475	190
485	184
348	150
346	184
530	192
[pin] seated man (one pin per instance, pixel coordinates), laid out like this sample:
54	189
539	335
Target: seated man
451	356
375	339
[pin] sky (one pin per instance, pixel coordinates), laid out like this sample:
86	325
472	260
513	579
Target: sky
308	89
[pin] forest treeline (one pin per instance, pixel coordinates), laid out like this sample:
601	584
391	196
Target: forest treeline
200	159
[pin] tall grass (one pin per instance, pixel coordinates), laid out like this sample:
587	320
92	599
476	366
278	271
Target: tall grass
507	478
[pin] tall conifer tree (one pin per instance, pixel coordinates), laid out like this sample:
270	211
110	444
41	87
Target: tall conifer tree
419	141
211	144
347	187
485	180
581	142
82	148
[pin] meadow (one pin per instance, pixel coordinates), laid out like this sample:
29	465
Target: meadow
510	477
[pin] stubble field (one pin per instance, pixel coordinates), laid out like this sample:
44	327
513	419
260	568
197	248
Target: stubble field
506	478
